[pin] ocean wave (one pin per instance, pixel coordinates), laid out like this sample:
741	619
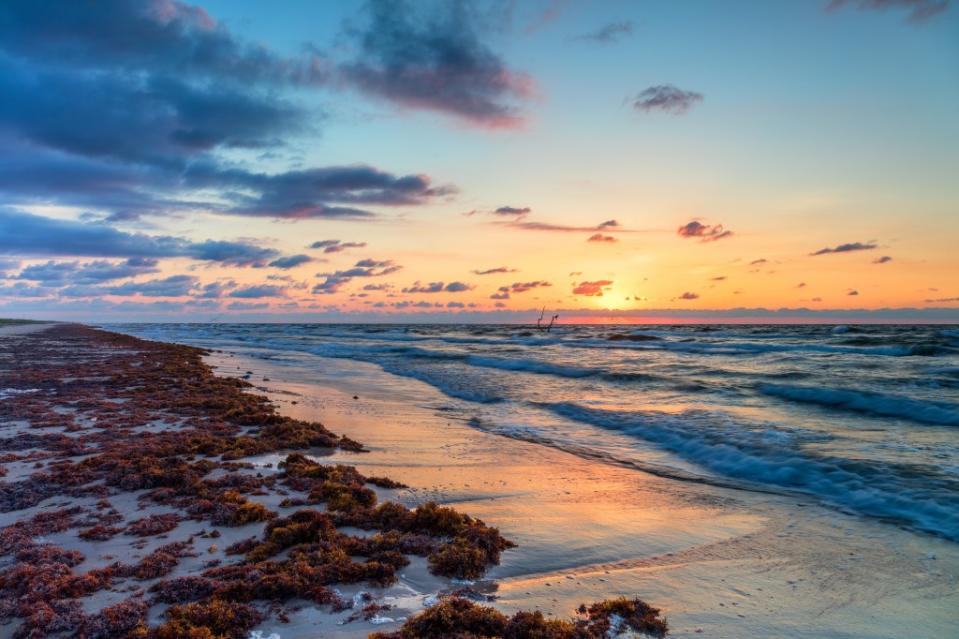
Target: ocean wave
744	349
927	412
769	455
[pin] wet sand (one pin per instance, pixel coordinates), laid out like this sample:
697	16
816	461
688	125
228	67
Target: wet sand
720	562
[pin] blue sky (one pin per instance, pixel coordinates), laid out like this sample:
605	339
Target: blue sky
256	129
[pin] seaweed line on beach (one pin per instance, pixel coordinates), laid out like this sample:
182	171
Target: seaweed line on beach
109	441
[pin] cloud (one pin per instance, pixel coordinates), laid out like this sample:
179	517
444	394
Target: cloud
333	282
439	287
718	278
503	293
26	234
942	300
291	261
882	260
215	290
503	211
847	248
689	296
247	306
599	237
758	262
853	293
593	289
436	62
666	98
259	290
522	287
173	286
161	90
609	225
305	193
61	273
335	246
153	121
164	36
513	210
432	287
21	289
919	10
705	232
493	271
609	33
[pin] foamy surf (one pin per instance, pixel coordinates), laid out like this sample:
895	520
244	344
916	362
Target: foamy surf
860	417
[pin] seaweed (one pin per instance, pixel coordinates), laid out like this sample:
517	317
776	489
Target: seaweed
457	617
153	525
214	619
128	383
99	532
125	619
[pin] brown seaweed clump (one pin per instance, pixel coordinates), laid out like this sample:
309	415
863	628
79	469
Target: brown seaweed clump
215	619
151	424
462	619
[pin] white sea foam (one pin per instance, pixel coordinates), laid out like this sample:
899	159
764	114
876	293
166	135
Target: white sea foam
718	401
927	412
777	456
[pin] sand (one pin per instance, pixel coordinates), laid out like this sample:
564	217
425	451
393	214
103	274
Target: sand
24	329
720	562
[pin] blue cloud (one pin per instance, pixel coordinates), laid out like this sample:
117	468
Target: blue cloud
26	234
437	62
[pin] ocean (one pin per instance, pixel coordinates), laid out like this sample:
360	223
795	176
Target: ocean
864	419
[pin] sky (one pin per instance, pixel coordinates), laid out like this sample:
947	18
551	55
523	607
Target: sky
606	161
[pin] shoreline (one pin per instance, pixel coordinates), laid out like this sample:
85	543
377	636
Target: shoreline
130	508
719	562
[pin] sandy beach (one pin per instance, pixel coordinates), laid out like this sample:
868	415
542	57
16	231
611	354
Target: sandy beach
721	563
718	562
146	497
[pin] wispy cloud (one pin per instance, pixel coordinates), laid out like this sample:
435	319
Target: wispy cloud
847	248
503	293
494	271
335	246
517	212
608	33
291	261
599	237
704	232
666	98
439	287
918	10
611	226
